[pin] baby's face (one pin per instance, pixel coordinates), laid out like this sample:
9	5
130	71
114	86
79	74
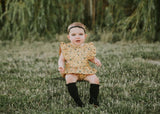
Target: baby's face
77	36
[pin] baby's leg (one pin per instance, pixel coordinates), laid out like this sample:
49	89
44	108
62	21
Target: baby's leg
71	78
72	88
94	89
92	79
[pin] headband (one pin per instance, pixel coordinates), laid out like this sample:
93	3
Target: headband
75	27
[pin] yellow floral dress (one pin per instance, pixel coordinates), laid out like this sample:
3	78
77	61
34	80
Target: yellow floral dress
77	58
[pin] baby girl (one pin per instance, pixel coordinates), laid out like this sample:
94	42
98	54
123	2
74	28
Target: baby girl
74	63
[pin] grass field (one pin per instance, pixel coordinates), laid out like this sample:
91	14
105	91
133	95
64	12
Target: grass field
30	82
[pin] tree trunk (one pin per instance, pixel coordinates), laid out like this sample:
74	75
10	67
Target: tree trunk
157	35
3	6
93	14
3	3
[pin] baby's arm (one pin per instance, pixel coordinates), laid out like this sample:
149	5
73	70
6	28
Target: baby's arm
61	62
96	61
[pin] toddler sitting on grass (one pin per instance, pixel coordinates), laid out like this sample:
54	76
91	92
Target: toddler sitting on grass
74	63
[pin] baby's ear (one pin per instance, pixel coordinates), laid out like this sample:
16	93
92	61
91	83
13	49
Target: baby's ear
68	37
85	35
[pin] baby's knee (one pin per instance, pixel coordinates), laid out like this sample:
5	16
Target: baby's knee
70	78
94	80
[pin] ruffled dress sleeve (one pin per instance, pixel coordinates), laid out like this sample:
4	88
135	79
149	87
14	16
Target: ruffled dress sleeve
63	49
92	51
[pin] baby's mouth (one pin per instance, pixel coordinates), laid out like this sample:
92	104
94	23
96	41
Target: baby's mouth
78	41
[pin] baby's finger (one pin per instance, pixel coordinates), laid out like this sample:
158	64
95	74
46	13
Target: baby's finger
99	64
60	69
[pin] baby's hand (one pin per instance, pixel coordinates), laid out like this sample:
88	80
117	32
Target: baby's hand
61	70
97	62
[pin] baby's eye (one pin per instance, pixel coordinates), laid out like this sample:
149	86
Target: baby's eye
73	34
81	34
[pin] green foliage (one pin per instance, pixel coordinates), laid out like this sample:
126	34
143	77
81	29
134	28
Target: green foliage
30	82
43	19
141	22
29	18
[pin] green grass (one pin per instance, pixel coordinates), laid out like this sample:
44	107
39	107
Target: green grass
30	82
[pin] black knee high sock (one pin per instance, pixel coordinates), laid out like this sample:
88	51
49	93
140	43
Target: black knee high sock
94	91
73	91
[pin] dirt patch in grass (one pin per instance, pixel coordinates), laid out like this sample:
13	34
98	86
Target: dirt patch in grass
154	62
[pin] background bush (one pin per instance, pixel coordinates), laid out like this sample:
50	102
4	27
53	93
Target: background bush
43	19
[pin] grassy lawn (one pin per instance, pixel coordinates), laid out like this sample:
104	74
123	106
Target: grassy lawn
30	82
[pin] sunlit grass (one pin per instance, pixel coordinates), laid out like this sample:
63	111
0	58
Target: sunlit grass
30	82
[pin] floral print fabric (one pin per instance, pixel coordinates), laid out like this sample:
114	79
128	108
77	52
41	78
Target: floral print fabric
77	58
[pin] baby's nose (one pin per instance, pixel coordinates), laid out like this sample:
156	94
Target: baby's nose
77	37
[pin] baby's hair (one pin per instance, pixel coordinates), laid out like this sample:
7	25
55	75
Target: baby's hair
76	24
